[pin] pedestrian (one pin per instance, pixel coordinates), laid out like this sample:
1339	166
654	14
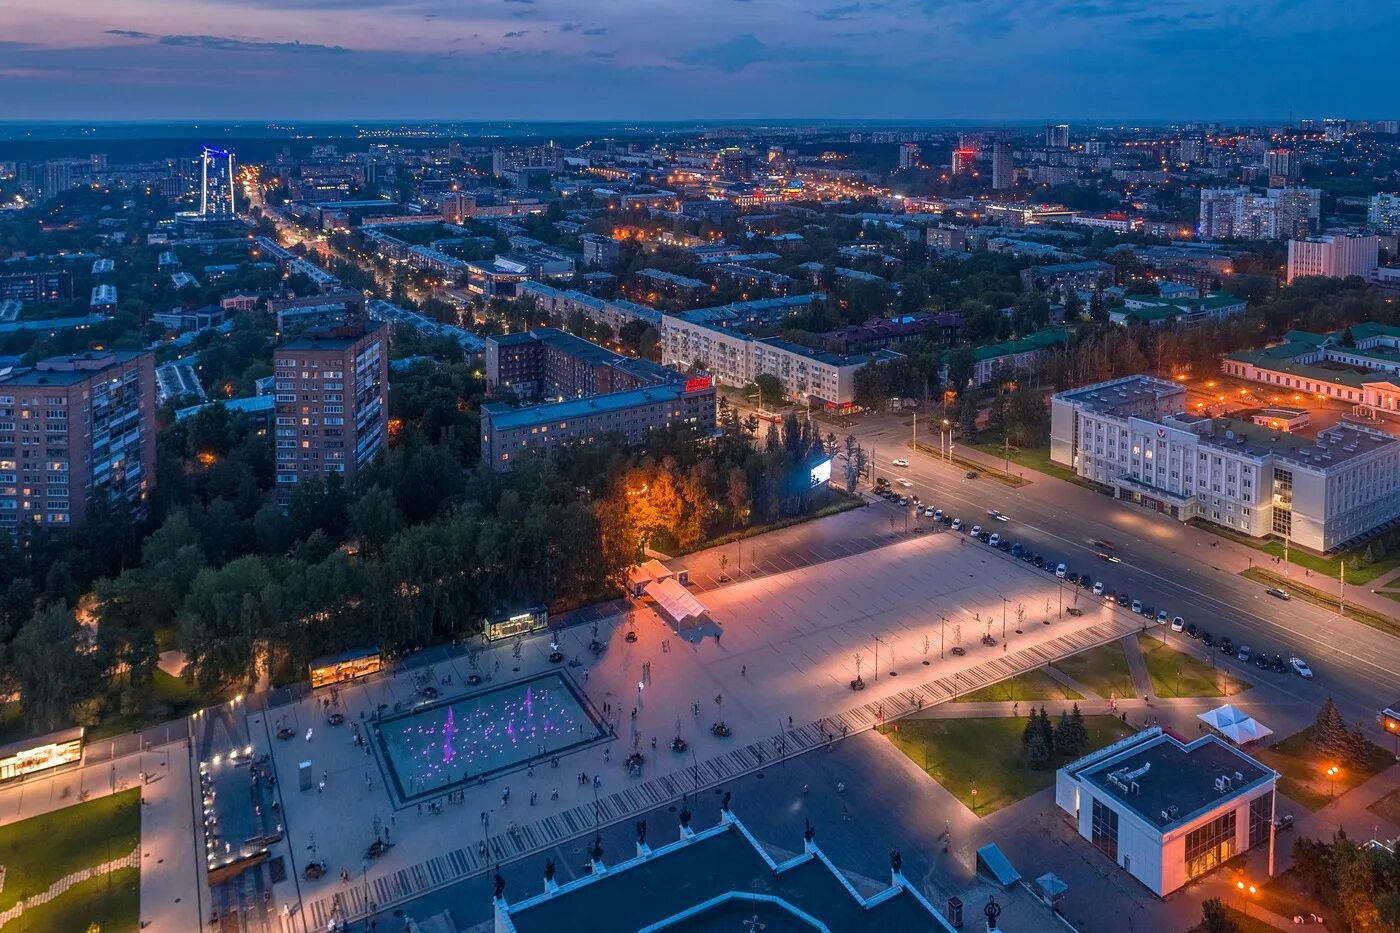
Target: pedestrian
533	797
1015	709
743	670
840	787
789	722
554	795
653	743
420	809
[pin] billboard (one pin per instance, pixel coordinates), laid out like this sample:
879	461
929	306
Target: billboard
819	473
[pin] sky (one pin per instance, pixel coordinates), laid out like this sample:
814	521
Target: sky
101	60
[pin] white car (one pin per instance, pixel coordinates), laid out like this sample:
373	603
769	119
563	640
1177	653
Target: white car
994	541
1061	570
1137	607
957	524
1161	617
976	530
900	462
938	514
1178	624
905	483
1300	667
1098	589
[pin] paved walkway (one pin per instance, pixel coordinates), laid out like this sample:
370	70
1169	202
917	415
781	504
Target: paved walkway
1137	667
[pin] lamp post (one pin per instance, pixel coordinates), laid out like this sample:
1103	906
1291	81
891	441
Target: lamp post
1332	773
1003	618
943	624
1246	891
878	643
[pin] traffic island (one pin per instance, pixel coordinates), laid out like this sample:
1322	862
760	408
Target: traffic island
1178	674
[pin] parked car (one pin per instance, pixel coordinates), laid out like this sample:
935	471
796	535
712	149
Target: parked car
1161	617
1261	660
1098	588
1123	599
938	515
1207	639
957	524
1278	666
1192	631
994	541
1028	555
1005	545
1243	653
1283	823
1227	646
1300	667
972	474
1178	624
930	512
1061	570
976	530
1050	565
903	500
1016	549
1137	606
1038	561
900	462
1149	611
1278	593
985	536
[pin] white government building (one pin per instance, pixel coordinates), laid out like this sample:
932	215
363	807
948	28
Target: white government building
1134	436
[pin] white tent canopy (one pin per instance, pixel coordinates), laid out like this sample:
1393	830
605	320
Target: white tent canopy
1235	724
675	601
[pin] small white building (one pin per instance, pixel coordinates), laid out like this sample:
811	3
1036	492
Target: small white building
1168	812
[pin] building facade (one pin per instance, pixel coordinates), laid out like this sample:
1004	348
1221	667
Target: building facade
1166	811
73	427
1133	435
1334	256
332	404
507	433
551	363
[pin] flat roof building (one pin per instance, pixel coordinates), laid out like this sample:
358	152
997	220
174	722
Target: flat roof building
332	403
72	426
547	362
1359	365
507	433
1133	435
1166	811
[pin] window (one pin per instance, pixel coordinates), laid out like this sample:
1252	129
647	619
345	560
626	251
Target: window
1260	815
1104	832
1211	845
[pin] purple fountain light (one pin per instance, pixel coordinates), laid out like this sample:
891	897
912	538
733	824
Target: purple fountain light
448	752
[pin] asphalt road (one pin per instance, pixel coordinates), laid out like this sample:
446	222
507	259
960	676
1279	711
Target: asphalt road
1163	563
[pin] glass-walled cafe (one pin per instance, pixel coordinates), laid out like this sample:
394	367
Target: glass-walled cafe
41	753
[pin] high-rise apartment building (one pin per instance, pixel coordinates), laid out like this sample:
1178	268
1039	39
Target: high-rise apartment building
909	155
1057	135
1333	256
216	183
73	428
1282	165
1384	212
963	160
331	403
1238	212
1003	167
62	175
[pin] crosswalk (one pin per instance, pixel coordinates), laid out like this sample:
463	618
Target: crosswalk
385	890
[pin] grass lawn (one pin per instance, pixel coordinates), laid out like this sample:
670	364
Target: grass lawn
962	754
1329	566
1302	764
1388	808
113	901
40	850
1323	598
1178	674
1103	669
1032	685
1032	458
163	699
1286	896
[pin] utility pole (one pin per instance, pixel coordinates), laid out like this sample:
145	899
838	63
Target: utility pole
1342	600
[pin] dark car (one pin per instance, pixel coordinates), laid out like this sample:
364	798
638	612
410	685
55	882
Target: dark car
1193	631
1004	545
1028	556
1038	561
1123	599
971	474
1207	639
1227	646
1279	666
984	537
1016	549
1261	661
1150	611
1049	565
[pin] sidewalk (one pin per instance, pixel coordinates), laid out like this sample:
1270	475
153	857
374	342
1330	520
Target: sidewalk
1137	667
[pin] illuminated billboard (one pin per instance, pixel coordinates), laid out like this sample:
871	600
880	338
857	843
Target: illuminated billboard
819	473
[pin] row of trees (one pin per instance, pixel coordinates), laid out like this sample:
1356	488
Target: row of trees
1066	738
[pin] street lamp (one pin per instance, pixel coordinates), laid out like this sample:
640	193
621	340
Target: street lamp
1246	891
1332	773
878	643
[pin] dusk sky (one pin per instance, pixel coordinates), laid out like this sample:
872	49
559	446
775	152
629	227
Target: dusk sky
715	59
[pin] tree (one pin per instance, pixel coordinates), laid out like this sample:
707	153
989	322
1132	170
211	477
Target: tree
1330	730
961	361
1064	735
1038	752
52	673
1215	918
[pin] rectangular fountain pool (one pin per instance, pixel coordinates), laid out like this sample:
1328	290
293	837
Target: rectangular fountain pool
441	746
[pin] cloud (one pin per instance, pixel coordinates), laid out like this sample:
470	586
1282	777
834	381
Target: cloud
515	33
231	44
595	31
846	11
736	54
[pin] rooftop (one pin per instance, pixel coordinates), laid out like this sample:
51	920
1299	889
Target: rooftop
504	417
1108	397
70	369
1168	783
331	338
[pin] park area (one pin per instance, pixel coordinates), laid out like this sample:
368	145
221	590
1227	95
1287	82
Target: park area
1304	766
50	864
1178	674
982	761
1031	685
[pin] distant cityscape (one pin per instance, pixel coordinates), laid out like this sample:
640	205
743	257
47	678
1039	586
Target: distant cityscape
720	526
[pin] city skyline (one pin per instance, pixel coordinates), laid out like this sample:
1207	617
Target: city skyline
737	59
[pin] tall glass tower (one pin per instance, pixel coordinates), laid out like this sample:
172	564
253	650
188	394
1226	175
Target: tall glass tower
216	188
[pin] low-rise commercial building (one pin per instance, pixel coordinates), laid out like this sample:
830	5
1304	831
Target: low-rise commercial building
1134	436
551	363
1166	811
1011	358
1360	365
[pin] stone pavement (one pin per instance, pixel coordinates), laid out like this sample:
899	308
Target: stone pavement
792	641
1137	667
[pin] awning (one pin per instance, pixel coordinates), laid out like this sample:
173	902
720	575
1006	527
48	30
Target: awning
1235	724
